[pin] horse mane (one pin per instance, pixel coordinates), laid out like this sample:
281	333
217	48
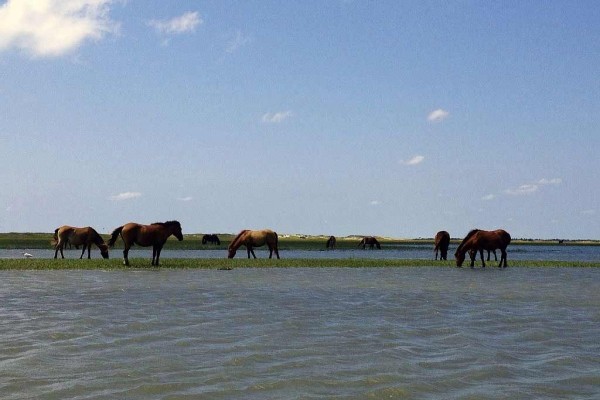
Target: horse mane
167	223
237	238
471	233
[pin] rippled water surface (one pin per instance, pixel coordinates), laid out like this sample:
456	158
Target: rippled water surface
301	333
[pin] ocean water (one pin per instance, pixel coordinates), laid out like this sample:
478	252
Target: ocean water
409	333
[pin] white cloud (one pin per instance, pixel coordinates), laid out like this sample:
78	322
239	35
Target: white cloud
275	118
238	41
589	212
553	181
438	115
488	197
125	196
183	24
375	202
523	190
414	161
187	198
50	28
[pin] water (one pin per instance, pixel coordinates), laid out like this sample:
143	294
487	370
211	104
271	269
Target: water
515	252
410	333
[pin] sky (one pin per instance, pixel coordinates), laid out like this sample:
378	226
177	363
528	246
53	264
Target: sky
335	117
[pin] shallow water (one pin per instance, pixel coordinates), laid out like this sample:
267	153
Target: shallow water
301	333
515	252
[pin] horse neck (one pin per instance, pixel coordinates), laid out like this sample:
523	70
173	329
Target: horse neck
97	239
237	241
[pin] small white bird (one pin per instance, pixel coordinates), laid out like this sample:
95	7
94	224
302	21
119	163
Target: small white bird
27	255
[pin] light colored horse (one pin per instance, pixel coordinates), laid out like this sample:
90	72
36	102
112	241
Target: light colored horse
154	235
252	239
78	236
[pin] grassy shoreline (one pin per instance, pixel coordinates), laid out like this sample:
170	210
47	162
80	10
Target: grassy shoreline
223	263
286	242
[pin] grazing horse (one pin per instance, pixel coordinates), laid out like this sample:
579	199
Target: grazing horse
78	236
370	241
330	243
214	239
478	241
252	239
154	235
442	241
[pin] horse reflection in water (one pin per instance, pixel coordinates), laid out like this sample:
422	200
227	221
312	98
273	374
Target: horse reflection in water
441	242
478	240
154	235
78	236
252	239
369	241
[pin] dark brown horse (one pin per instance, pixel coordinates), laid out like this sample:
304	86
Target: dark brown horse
212	238
78	236
369	241
252	239
478	241
154	235
441	242
331	242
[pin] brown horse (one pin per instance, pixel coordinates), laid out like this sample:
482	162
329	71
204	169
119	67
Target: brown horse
331	242
442	241
154	235
78	236
478	241
370	241
252	239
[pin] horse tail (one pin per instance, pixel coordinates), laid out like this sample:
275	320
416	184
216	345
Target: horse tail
54	240
114	236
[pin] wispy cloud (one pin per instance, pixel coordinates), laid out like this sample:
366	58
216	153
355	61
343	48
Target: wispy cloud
374	202
51	28
523	190
589	212
530	188
553	181
414	160
187	198
239	40
438	115
488	197
274	118
185	23
125	196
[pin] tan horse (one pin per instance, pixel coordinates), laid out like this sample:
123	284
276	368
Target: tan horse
442	241
78	236
154	235
478	241
252	239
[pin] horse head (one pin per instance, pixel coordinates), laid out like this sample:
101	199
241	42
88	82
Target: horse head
460	258
231	252
103	250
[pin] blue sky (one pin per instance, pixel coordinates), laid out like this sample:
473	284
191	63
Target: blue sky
392	118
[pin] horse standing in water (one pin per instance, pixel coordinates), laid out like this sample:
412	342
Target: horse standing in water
442	241
252	239
369	241
78	236
478	241
154	235
330	243
214	239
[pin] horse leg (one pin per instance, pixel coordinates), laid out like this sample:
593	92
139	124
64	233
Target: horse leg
482	259
503	257
270	252
436	254
56	250
252	251
158	249
154	251
125	255
83	251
